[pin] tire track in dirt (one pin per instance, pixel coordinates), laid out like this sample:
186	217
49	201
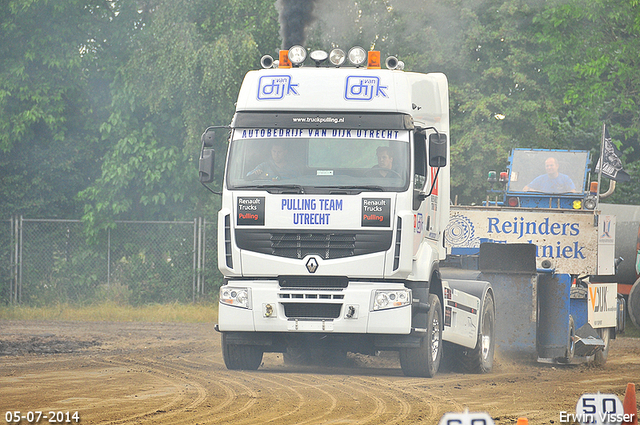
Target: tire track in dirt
179	394
390	394
174	374
292	383
347	396
184	409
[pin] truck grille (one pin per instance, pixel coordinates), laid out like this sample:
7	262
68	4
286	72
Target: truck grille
312	311
299	245
326	245
325	282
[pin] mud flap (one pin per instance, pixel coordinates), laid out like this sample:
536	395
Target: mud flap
588	342
511	269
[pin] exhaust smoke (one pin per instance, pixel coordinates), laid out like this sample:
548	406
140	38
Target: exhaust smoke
294	16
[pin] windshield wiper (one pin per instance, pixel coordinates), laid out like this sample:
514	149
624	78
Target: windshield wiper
357	189
277	188
370	187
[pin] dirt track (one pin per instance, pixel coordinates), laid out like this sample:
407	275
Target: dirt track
117	373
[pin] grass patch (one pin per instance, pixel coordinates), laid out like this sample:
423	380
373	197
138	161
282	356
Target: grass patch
113	312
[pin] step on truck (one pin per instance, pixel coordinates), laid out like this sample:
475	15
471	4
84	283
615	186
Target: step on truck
335	198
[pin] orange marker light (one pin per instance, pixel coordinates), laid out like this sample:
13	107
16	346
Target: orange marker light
373	59
284	61
593	187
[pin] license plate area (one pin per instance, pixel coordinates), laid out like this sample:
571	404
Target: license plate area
310	325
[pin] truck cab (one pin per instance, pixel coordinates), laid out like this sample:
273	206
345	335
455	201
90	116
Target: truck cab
334	203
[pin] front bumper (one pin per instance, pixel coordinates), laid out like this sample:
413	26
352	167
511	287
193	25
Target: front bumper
298	310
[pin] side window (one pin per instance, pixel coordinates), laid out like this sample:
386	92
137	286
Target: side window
420	160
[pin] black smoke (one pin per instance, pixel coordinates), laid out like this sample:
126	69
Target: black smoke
295	17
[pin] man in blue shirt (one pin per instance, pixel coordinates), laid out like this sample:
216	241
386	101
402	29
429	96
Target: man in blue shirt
552	181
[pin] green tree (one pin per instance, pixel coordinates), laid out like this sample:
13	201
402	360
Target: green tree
48	146
591	57
184	71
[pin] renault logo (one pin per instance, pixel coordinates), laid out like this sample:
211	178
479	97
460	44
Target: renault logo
312	265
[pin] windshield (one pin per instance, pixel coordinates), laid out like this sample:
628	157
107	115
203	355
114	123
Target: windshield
548	171
307	160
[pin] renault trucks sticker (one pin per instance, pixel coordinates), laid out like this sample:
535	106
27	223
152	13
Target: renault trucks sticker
275	87
364	88
251	211
376	212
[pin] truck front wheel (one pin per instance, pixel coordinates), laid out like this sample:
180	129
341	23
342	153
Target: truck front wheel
241	357
425	360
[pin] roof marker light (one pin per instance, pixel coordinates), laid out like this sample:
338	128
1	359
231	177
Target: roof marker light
297	55
357	55
337	57
373	59
284	61
318	56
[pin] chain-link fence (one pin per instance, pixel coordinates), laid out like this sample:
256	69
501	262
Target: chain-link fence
137	262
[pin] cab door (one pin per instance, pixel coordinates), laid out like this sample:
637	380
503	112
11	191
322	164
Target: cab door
420	178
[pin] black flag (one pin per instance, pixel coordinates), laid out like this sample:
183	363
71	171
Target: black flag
612	164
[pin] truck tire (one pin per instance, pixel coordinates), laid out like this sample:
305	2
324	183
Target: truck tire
600	358
634	303
571	345
241	357
480	359
425	360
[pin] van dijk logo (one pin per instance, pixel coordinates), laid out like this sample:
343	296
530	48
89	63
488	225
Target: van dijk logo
312	265
274	87
364	88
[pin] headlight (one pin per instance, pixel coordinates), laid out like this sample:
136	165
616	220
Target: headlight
237	297
357	56
297	55
590	202
319	56
337	57
384	299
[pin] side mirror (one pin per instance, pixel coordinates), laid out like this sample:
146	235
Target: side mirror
209	137
437	150
206	165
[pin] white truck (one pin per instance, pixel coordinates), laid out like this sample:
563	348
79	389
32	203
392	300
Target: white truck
334	203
